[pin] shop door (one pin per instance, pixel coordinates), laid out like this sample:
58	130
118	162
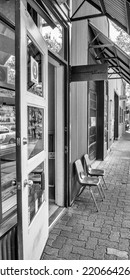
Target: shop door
31	136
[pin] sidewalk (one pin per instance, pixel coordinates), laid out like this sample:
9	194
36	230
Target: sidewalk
84	234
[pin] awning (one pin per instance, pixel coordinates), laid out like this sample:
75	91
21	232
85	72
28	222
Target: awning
105	50
116	10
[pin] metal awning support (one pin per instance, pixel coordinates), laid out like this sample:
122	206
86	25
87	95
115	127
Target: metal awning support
105	50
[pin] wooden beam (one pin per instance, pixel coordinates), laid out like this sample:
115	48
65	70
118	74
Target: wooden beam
94	72
86	17
78	9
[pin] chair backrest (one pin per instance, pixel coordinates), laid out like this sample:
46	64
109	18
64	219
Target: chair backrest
79	170
87	163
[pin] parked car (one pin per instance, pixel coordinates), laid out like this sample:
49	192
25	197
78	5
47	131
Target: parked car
7	136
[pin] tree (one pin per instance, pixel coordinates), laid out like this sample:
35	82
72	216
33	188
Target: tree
122	39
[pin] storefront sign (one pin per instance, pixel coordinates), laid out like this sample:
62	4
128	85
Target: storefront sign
34	71
94	72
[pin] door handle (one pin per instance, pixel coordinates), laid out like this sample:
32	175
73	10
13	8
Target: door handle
28	182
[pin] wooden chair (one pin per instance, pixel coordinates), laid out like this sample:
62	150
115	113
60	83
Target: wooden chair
93	172
86	181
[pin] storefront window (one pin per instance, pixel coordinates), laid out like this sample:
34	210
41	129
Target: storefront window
36	191
34	69
35	131
54	37
7	122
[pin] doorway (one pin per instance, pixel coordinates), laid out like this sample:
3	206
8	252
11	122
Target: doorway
116	116
55	135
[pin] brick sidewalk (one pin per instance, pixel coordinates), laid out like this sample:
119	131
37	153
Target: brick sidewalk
84	234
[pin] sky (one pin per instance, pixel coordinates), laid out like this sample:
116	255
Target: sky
113	32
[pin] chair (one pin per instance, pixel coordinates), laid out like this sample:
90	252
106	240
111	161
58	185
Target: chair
86	181
93	172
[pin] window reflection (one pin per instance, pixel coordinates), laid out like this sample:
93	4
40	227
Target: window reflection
35	131
7	153
54	37
34	69
7	114
36	191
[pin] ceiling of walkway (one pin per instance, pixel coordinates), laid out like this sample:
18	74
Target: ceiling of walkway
116	10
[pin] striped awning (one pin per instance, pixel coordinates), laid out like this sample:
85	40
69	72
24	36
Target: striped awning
106	50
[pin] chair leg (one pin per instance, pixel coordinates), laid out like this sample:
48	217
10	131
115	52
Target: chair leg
102	190
104	183
80	191
93	197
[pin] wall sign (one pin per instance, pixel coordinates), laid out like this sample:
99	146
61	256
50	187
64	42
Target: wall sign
34	71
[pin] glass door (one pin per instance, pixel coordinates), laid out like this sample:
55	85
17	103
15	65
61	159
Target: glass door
31	136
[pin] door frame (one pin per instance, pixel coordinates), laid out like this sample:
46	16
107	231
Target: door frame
21	17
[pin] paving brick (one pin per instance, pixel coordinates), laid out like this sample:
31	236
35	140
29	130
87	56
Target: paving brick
65	251
74	256
121	254
83	252
84	235
124	244
75	242
126	224
114	236
69	234
51	251
59	242
99	235
77	229
91	243
108	243
99	253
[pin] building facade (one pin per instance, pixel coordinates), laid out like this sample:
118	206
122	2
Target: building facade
49	117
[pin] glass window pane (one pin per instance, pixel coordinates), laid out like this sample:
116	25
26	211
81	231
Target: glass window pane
36	191
54	37
7	9
35	131
34	69
7	116
7	156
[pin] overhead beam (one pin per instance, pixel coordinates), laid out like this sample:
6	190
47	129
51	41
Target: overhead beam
94	72
106	58
77	9
101	46
87	17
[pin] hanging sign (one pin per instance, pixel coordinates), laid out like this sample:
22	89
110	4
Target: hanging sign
34	71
